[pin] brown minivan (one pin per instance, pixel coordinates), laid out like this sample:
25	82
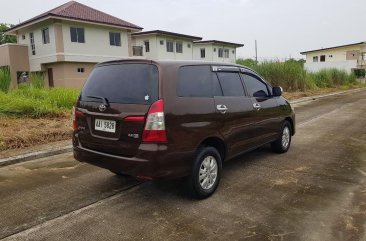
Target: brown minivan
170	119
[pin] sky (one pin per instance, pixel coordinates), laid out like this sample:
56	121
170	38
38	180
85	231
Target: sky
282	28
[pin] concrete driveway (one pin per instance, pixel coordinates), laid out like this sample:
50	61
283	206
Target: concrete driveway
316	191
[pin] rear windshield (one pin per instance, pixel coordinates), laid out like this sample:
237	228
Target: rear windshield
123	83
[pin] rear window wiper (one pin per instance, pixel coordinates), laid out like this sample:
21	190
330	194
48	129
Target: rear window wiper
105	100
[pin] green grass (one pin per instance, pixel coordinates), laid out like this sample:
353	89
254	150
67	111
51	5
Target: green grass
30	101
292	76
5	79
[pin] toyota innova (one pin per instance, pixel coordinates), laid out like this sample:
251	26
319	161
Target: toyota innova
170	119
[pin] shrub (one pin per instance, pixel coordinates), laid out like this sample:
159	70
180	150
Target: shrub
36	80
5	79
359	73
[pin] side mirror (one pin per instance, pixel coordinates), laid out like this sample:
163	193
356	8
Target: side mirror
277	91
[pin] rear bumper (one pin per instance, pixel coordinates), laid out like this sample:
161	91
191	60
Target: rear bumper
153	161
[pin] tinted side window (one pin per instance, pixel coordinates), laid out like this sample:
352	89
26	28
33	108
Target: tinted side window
197	81
231	84
256	88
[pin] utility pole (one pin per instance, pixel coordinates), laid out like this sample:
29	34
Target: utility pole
256	52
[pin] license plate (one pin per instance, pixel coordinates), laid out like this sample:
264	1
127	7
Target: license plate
105	125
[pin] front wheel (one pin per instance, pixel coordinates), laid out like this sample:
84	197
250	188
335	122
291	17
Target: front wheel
206	173
282	144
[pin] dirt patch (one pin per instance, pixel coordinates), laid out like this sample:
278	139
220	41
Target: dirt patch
24	132
298	94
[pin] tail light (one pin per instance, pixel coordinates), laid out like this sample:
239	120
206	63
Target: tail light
75	114
154	130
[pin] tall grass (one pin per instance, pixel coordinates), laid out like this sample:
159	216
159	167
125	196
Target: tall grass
37	102
292	76
5	79
36	79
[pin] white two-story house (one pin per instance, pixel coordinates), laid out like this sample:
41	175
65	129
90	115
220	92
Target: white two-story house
66	42
344	57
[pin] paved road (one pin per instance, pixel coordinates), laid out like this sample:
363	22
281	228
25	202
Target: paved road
316	191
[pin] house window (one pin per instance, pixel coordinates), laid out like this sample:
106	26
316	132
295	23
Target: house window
315	59
214	49
179	47
114	39
137	50
33	46
23	36
161	42
169	46
81	70
77	35
221	52
226	53
233	51
322	58
147	46
189	46
203	53
45	36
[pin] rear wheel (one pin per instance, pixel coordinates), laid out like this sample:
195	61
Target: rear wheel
206	173
282	144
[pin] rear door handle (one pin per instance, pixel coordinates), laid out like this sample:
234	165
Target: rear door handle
256	106
221	108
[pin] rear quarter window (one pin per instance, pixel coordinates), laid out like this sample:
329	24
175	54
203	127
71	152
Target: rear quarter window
197	81
123	83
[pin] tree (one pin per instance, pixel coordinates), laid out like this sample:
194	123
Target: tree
6	38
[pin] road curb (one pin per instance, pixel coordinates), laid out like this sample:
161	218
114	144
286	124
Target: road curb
34	155
311	98
65	149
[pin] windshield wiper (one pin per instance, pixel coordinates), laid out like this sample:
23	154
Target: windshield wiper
105	100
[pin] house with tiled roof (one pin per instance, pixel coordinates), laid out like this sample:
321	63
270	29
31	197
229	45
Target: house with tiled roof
65	43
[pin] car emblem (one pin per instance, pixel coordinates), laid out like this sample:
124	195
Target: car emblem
102	107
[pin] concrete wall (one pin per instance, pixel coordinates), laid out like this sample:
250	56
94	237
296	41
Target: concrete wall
96	47
65	74
16	57
45	53
334	55
346	65
212	52
158	51
208	52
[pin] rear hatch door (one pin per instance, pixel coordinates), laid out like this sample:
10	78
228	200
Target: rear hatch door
115	100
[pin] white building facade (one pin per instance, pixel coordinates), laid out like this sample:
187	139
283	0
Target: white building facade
214	50
345	57
65	43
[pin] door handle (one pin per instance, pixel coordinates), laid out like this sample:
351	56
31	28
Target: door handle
221	108
256	106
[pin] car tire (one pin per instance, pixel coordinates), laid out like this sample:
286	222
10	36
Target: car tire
282	144
206	173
